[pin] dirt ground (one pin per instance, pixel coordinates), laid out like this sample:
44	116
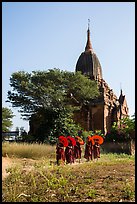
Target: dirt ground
110	176
9	162
6	163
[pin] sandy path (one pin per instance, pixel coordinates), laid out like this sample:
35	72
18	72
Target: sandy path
26	164
6	163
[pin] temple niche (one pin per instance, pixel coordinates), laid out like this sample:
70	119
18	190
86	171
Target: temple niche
107	108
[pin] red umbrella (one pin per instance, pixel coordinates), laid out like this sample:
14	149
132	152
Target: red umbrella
81	142
97	138
63	140
90	139
72	140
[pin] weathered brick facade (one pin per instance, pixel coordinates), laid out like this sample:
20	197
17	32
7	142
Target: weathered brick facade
102	112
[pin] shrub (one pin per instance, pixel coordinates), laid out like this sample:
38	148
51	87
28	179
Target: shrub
122	130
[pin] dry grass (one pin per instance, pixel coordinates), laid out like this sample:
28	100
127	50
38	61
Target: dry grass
25	150
110	179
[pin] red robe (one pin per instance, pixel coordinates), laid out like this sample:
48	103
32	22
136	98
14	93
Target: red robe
77	151
60	154
96	150
69	154
88	151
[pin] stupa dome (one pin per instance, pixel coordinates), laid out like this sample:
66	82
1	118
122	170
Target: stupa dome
88	62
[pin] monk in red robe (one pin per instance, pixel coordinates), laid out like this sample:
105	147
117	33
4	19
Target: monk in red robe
60	153
69	152
96	149
88	149
77	150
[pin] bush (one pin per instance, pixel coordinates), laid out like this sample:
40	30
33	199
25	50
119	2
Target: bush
115	136
123	130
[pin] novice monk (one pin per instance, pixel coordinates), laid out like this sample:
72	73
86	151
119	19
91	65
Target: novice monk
96	149
69	151
60	153
77	150
88	149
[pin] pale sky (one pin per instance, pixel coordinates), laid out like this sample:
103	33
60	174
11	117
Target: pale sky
47	35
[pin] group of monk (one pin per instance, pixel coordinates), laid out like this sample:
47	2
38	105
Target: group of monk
68	149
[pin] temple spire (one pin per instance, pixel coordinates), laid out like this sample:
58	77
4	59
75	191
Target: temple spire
121	93
88	23
88	45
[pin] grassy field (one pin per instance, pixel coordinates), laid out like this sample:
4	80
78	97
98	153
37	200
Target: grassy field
35	177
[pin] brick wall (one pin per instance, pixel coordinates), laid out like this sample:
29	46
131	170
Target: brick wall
127	147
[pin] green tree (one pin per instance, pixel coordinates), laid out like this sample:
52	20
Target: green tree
122	130
51	97
7	115
125	125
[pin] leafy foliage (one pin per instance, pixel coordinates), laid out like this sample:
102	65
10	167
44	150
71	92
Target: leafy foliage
7	115
50	98
122	130
49	89
84	134
125	125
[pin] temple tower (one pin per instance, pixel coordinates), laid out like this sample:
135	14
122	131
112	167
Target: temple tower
107	108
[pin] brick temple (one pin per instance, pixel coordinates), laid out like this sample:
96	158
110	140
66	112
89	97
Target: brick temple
101	112
107	108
